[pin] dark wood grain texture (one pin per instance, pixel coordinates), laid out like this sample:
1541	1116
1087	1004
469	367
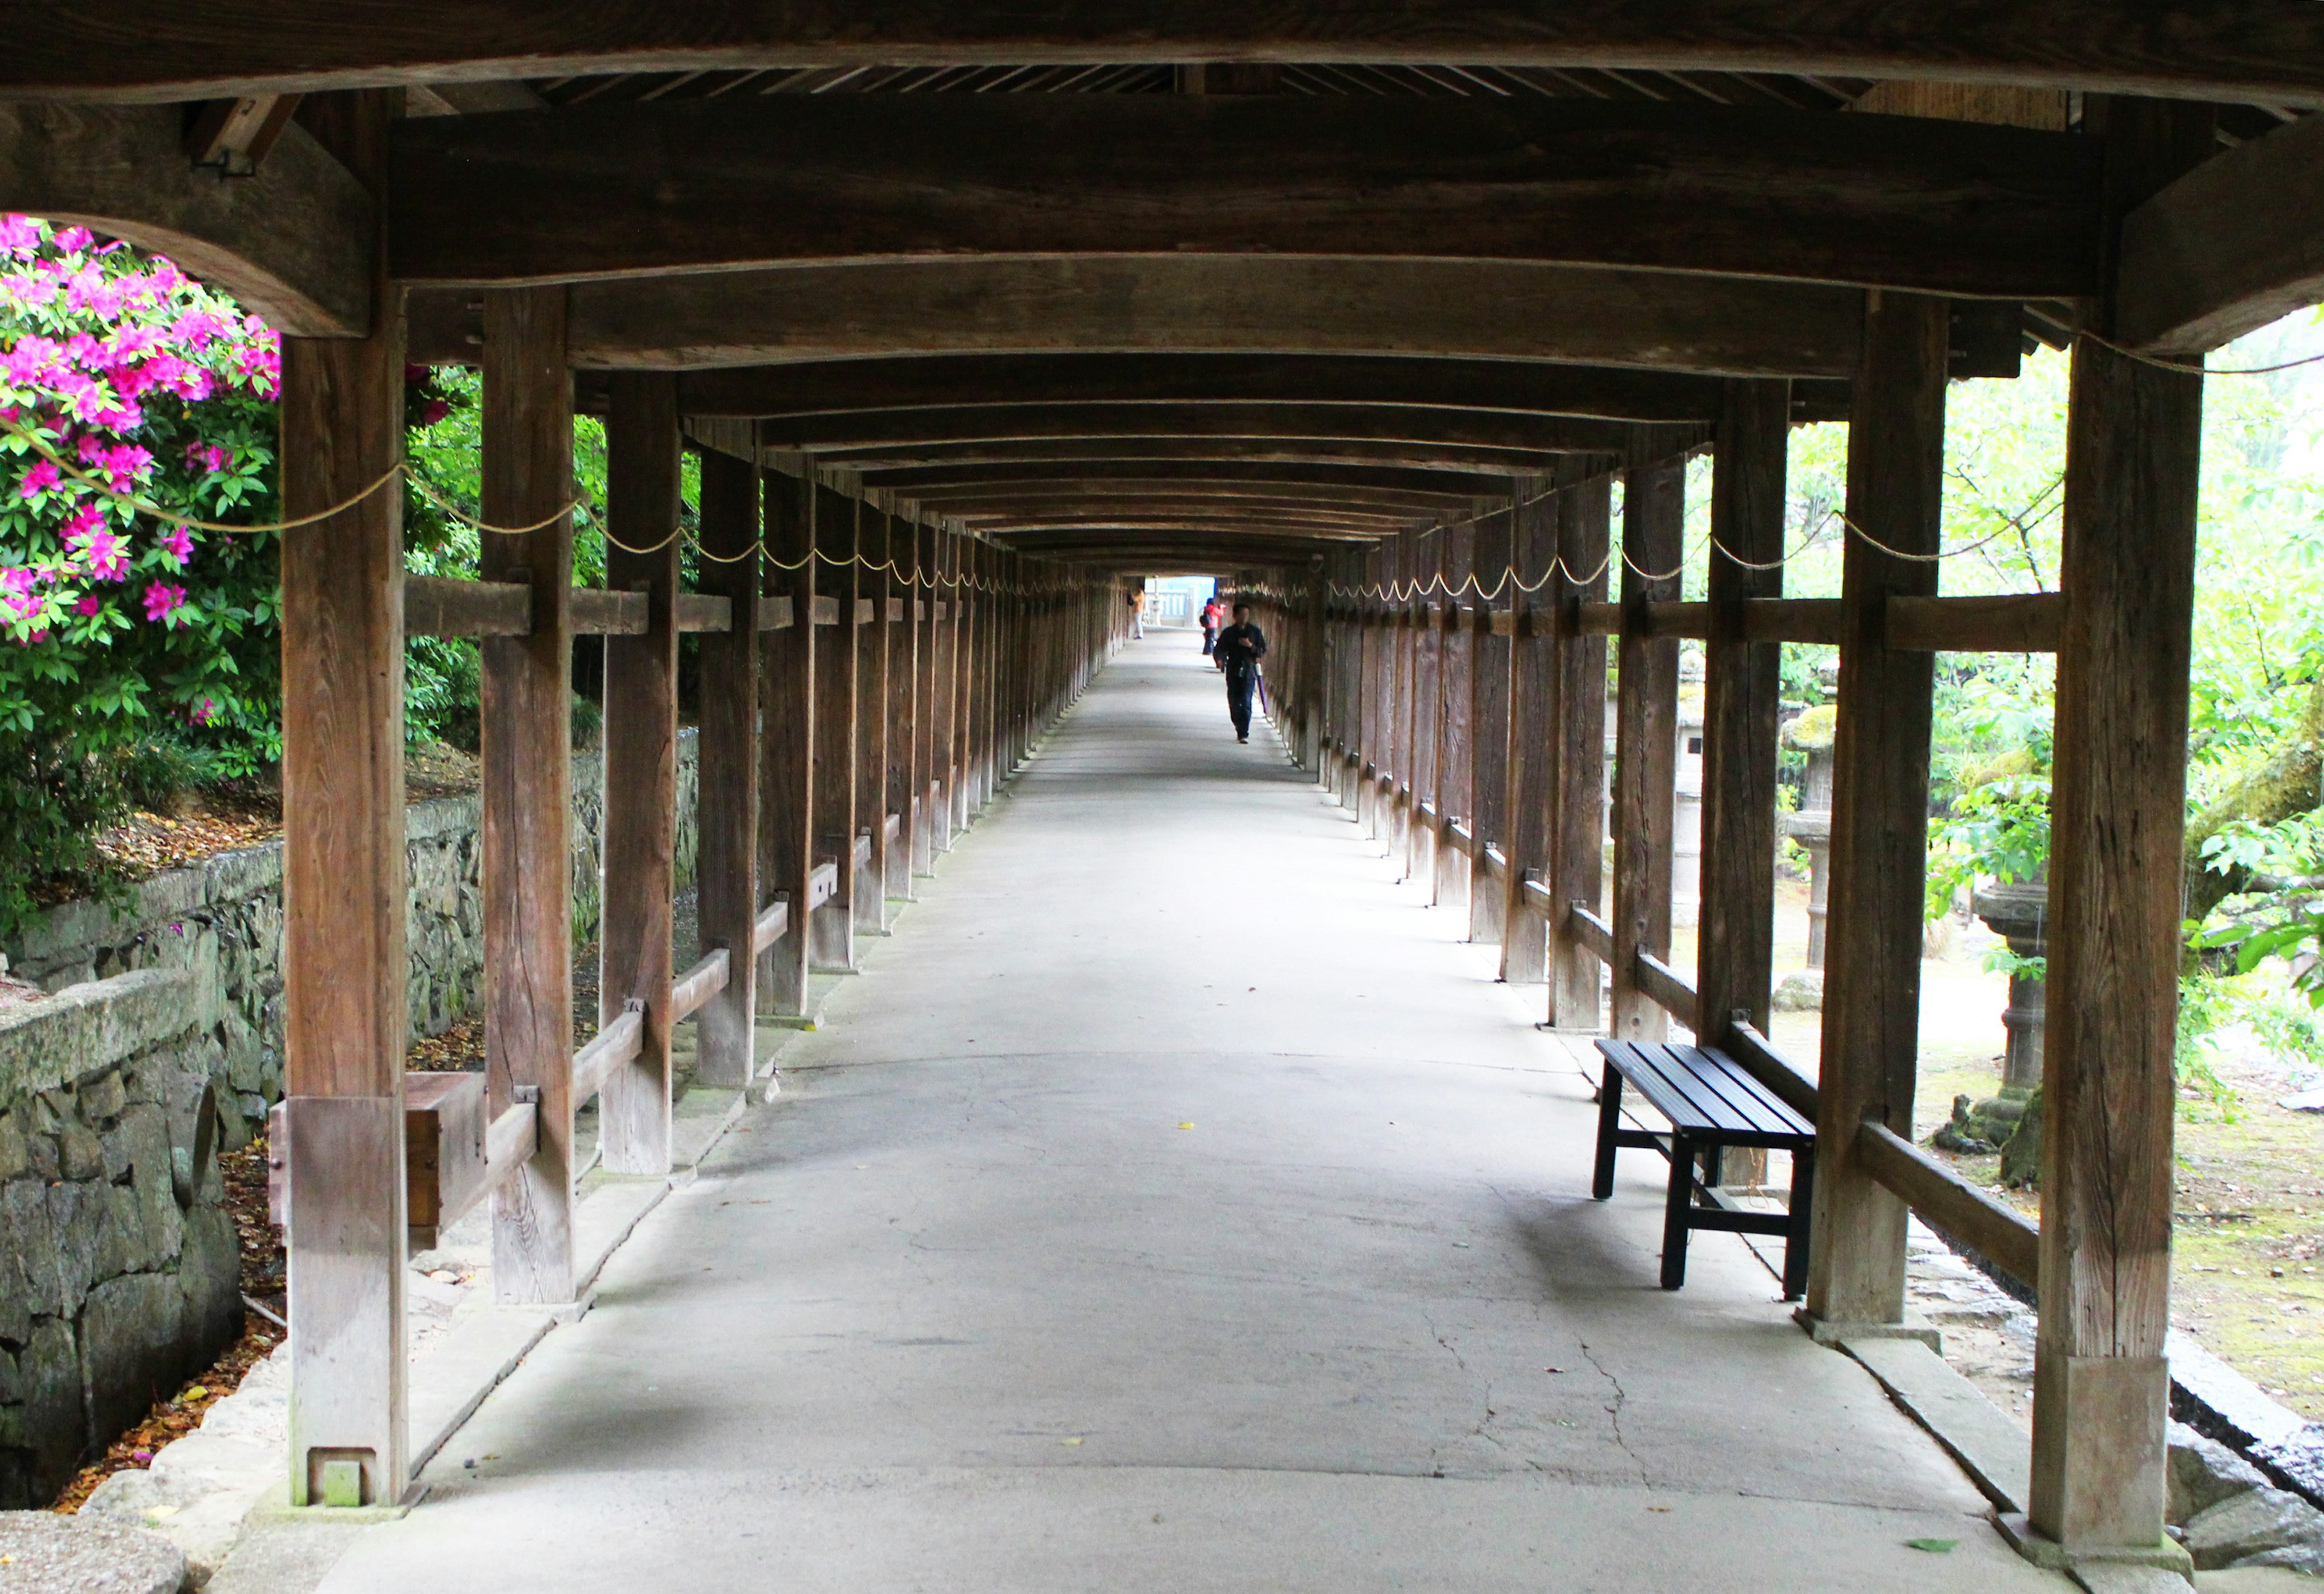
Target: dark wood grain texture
789	729
1646	742
839	812
1577	841
1526	811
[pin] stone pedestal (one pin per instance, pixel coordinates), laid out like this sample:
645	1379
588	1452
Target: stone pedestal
2019	914
1687	823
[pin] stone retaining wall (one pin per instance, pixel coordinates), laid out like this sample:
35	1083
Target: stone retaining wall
119	1269
220	922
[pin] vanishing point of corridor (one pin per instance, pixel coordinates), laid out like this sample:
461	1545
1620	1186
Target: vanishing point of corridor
1174	1202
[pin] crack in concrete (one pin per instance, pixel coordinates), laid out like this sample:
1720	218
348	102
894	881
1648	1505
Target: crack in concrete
1614	1412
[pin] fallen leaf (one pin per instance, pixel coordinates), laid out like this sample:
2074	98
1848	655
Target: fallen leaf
1185	1126
1069	1441
1553	1370
1933	1546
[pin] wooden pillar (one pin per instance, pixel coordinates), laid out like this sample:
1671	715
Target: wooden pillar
1456	702
1404	807
950	600
838	670
528	784
1371	642
875	703
931	786
1880	805
345	1018
729	858
1577	860
640	844
1742	690
2117	830
1488	719
1426	716
786	709
1526	810
1645	733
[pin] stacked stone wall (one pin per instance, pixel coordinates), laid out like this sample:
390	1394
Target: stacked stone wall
220	922
120	1274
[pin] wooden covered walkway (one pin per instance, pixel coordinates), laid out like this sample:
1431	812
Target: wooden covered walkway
972	319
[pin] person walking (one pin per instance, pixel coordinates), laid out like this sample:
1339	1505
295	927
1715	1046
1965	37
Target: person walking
1212	613
1138	617
1239	648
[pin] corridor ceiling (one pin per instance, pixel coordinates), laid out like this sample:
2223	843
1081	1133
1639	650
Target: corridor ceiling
1214	289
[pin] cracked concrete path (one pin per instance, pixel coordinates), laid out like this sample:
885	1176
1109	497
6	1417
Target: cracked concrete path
1175	1203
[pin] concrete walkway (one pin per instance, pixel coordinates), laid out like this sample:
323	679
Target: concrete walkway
1176	1204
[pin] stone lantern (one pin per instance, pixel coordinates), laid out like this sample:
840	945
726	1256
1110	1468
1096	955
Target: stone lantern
1812	734
1686	820
2010	1121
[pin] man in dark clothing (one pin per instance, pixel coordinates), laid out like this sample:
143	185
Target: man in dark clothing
1239	648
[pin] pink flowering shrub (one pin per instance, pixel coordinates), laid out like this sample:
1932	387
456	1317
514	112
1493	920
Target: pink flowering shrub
119	379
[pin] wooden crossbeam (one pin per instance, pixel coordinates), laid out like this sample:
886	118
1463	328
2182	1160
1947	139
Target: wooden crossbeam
1050	495
1252	304
292	239
876	430
928	483
671	185
2259	49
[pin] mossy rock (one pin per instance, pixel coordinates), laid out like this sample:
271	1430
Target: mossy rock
2021	1154
1813	731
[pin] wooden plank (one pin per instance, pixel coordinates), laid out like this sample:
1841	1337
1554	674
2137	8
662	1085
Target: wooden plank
510	1144
599	613
896	430
345	1012
443	1151
1645	732
825	610
640	846
2117	818
712	974
528	784
733	791
703	611
1880	805
2266	50
1741	690
657	185
824	387
2227	249
292	240
616	1046
1659	983
1590	933
444	606
775	612
1964	1214
1484	310
772	922
839	728
1578	819
2014	623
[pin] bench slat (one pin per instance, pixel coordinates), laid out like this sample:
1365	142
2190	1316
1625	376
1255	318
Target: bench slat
1707	1094
1743	1094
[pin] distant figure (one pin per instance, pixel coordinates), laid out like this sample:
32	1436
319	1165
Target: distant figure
1239	648
1138	617
1212	613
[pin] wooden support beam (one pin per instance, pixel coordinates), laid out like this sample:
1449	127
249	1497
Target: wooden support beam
1880	806
787	830
920	822
876	783
1645	741
640	871
1658	982
236	136
729	858
528	784
1455	696
1967	1216
651	187
929	483
1742	688
839	810
614	1048
292	240
1526	810
1578	817
1254	304
825	388
2226	249
345	1014
868	432
2117	818
2266	50
1488	719
443	1166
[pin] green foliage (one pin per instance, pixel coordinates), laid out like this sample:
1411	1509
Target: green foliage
1999	831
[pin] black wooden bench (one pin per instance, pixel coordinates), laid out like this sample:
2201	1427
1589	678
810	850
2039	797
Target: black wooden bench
1712	1103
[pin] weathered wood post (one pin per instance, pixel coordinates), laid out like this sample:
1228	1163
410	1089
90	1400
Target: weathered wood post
1742	687
640	844
1646	720
729	864
1488	719
528	783
1456	760
786	712
2117	830
1879	815
1422	716
1371	633
1577	859
838	722
930	782
1525	810
345	1017
875	703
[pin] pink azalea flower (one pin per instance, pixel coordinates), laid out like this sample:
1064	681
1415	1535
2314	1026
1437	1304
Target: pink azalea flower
204	714
72	240
180	544
162	603
43	477
433	410
108	553
88	605
20	235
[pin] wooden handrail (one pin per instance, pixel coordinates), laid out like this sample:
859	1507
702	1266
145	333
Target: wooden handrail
775	612
824	611
822	883
1952	1205
1538	897
617	1044
1772	1069
597	612
2011	623
1497	862
1593	934
698	984
705	611
770	926
1462	839
1662	985
509	1144
442	606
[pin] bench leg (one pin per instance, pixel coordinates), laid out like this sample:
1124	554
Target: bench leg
1795	1234
1714	1165
1610	1121
1675	1211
